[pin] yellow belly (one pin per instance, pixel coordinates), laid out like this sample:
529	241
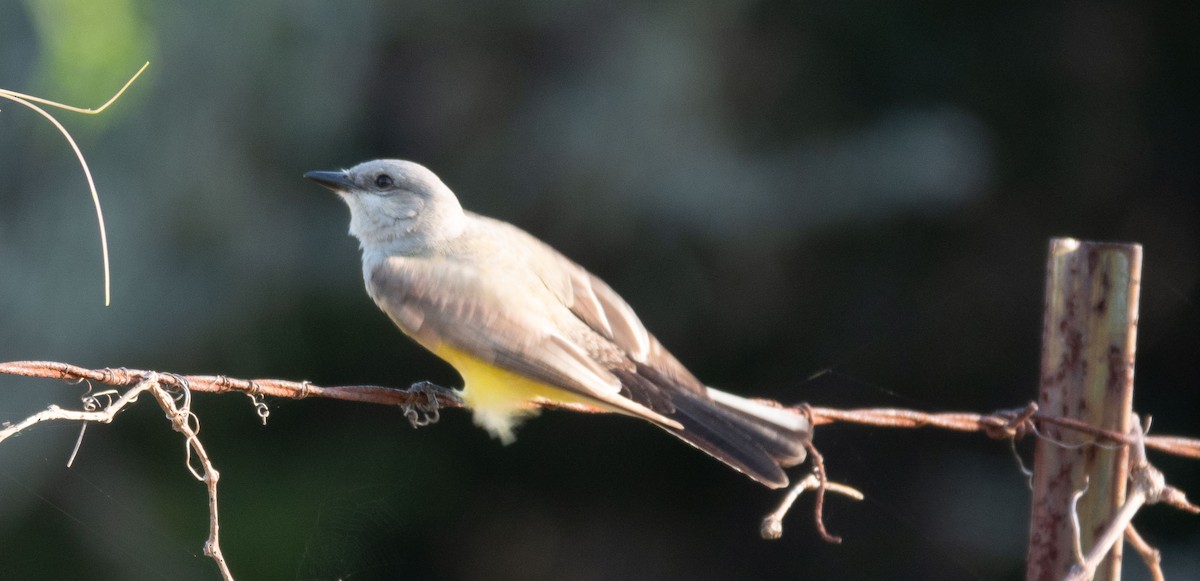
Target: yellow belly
501	399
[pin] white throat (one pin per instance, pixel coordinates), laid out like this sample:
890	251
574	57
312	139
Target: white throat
384	224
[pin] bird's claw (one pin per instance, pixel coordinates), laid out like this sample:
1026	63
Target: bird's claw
429	412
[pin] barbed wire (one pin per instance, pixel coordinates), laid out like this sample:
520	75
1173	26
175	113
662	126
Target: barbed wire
429	397
423	401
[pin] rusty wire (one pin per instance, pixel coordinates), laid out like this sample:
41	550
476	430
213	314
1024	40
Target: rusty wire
1000	424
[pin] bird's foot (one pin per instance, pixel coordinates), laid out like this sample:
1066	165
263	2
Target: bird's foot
423	409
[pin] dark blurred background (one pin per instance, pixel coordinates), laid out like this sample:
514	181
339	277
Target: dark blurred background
842	203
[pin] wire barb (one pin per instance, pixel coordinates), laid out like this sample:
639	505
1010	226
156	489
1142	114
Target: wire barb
260	406
423	401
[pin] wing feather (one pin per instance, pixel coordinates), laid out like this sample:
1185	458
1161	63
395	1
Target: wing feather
440	302
533	312
605	312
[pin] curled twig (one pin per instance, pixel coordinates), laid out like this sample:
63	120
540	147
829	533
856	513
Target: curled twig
182	420
430	398
1147	486
185	422
1150	555
29	101
772	524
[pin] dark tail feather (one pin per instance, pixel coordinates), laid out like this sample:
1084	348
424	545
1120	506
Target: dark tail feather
755	439
740	437
782	434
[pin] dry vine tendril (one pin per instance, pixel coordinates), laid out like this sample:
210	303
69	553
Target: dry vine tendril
33	103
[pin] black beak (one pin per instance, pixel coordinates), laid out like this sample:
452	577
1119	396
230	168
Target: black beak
337	181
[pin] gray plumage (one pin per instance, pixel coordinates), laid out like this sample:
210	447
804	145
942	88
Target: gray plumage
451	279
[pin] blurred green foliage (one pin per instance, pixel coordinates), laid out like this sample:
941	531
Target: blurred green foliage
84	44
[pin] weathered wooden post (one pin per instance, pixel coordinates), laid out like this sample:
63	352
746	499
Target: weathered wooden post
1088	341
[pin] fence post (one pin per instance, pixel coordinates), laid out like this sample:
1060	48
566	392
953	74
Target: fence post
1088	339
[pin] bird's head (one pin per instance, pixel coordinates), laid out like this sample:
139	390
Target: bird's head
395	203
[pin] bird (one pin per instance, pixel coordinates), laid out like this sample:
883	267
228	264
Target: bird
525	327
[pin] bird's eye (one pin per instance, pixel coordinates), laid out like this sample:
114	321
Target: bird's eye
383	181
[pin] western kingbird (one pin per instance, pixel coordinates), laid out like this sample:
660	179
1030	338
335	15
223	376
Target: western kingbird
523	325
